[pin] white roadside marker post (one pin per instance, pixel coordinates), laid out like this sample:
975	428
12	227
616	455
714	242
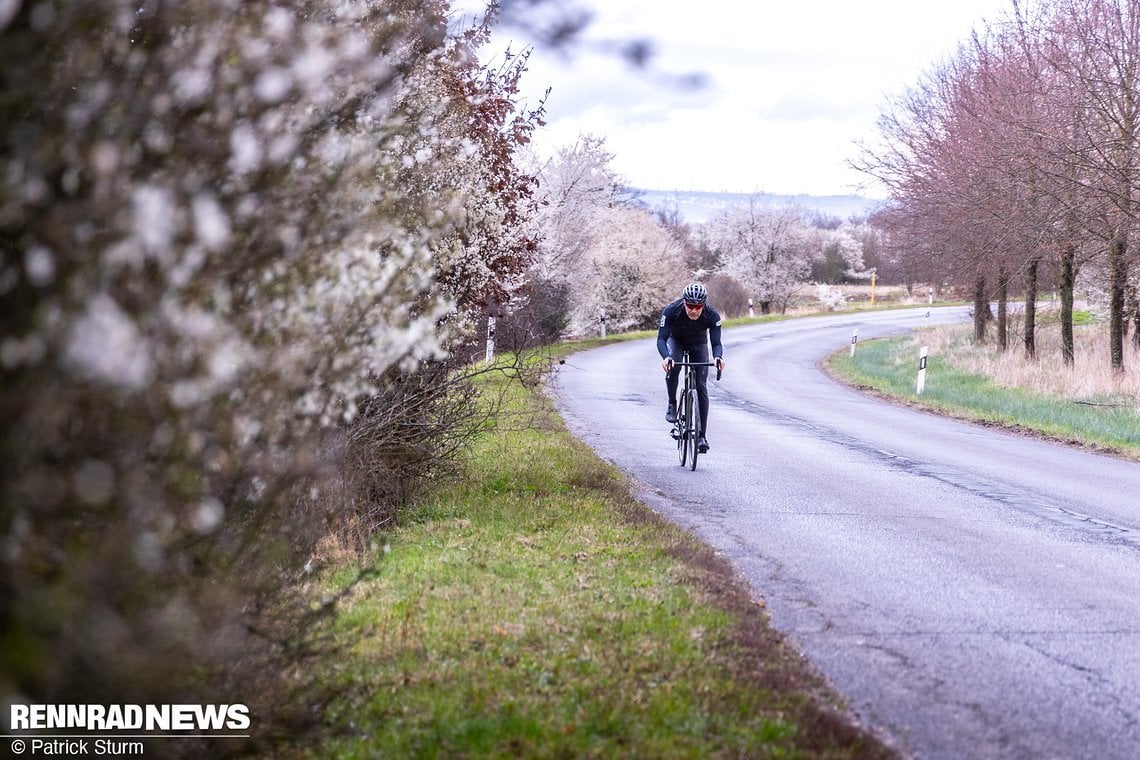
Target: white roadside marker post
854	340
490	339
603	319
921	370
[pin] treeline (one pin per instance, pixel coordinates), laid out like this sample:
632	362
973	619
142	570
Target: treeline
1014	165
601	252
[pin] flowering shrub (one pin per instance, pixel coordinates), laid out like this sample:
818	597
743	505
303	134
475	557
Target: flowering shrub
223	224
829	298
612	258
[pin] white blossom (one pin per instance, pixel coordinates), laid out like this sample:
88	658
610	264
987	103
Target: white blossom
829	298
154	219
211	225
191	85
312	67
245	149
278	23
273	85
208	516
39	263
106	345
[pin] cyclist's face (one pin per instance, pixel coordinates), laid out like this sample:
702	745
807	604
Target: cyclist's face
693	310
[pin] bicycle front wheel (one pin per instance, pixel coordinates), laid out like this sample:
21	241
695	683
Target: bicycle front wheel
692	427
679	434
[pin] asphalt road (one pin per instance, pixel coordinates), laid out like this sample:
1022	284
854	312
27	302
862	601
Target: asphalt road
973	593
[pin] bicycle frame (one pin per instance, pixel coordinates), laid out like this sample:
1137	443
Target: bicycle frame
687	429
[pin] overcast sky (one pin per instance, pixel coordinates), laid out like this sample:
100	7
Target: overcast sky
791	87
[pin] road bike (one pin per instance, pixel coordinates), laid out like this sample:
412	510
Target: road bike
687	427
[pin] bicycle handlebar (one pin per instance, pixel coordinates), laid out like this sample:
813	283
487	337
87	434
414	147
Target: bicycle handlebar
700	364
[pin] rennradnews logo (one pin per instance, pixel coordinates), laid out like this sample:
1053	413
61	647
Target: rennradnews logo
147	718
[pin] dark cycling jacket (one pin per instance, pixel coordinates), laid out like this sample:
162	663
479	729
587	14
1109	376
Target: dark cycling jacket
688	333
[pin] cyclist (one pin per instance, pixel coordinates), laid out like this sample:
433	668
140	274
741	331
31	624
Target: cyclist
689	324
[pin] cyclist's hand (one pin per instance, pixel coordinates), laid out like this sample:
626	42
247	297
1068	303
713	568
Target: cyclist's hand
719	364
667	364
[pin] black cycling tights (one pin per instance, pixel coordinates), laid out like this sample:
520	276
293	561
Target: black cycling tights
696	354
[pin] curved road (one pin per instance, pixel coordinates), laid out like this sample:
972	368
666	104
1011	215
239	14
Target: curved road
973	593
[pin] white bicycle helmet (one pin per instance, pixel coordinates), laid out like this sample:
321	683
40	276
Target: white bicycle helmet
695	293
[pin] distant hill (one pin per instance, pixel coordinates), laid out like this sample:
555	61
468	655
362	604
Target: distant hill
697	207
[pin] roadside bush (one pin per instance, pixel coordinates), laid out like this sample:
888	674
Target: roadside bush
727	294
540	320
222	228
406	434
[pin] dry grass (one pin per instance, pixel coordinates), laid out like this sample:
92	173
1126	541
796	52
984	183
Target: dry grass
1090	378
1086	404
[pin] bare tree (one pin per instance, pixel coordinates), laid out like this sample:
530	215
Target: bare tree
1095	48
1020	149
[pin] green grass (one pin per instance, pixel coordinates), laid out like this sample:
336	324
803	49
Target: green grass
533	608
889	367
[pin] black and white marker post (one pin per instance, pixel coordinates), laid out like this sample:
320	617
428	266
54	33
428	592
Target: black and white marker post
603	321
854	340
921	370
490	338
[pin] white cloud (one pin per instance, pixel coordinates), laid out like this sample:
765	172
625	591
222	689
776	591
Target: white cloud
791	87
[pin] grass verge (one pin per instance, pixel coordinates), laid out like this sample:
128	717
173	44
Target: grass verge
533	608
889	366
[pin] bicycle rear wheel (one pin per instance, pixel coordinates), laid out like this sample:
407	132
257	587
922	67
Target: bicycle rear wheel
692	427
